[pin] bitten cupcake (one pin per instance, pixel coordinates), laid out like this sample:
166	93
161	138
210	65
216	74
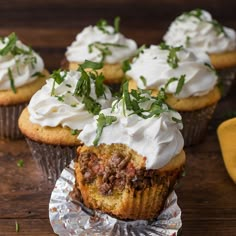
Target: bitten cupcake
186	79
22	73
197	29
57	113
102	43
132	157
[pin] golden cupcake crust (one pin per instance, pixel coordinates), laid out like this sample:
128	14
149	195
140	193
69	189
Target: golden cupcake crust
49	135
223	60
23	93
136	193
113	73
187	104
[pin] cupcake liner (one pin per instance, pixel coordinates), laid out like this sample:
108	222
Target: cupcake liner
51	159
9	121
70	217
195	124
226	78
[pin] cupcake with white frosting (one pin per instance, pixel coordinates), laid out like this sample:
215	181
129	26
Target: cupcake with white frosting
131	158
57	113
22	73
197	30
102	43
187	79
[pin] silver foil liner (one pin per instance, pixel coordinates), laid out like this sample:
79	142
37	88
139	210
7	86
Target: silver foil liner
51	159
9	121
70	219
226	79
195	124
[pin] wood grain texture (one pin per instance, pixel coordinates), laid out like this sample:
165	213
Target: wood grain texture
206	195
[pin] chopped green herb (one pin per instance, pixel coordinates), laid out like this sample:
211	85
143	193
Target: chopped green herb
20	163
17	227
218	27
143	80
92	65
68	85
10	76
73	105
38	74
104	48
176	120
172	58
180	84
117	24
91	105
99	86
60	98
58	78
187	41
75	131
102	122
140	50
126	65
12	38
210	67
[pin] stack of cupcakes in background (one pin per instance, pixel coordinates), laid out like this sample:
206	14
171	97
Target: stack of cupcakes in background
102	43
22	73
197	30
187	79
58	112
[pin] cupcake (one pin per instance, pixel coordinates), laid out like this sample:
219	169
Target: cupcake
131	158
197	30
102	43
22	73
186	79
57	113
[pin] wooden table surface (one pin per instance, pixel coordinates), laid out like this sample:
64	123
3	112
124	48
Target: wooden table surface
207	196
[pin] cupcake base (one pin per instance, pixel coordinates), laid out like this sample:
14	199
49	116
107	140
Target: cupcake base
9	121
195	124
51	159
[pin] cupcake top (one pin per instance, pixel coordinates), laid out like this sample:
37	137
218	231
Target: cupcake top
19	64
143	123
197	29
69	99
181	72
101	43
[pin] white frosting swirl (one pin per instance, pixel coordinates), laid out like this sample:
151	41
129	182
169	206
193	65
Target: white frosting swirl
47	110
192	32
20	65
158	139
79	49
153	66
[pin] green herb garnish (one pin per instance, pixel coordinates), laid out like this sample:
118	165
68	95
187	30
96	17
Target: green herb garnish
197	13
12	38
102	24
17	227
172	58
102	122
180	84
10	76
140	50
104	48
143	79
38	74
75	131
20	163
58	78
187	41
93	65
126	65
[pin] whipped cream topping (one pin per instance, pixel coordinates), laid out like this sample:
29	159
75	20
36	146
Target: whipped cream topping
157	139
153	65
63	108
120	47
22	66
200	32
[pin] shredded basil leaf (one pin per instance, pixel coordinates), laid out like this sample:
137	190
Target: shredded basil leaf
126	65
10	76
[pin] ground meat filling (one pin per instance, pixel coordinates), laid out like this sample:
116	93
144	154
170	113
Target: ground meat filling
117	173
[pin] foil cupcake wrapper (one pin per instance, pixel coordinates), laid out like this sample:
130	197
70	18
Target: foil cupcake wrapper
195	124
226	79
51	159
9	116
68	218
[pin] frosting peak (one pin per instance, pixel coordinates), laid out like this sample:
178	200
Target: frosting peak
156	67
18	63
96	44
55	103
197	29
